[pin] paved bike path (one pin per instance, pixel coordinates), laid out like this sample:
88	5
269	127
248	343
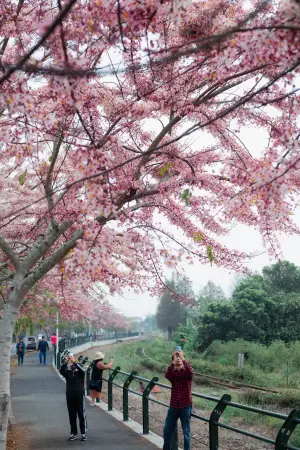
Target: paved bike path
39	407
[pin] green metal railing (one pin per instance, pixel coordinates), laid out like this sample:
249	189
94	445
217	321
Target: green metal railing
281	442
74	342
290	421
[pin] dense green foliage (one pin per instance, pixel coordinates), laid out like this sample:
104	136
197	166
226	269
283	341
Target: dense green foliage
265	366
263	308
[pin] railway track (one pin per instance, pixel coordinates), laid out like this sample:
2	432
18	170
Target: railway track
230	384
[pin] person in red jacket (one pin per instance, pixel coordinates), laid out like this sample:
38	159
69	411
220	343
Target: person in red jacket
53	339
180	374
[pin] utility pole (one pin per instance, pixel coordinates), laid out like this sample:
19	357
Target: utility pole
56	333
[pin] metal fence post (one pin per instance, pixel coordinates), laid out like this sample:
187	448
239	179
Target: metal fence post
61	345
213	422
146	394
88	377
110	387
287	429
126	385
58	360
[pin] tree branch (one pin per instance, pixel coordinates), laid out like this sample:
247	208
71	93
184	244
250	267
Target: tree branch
51	261
48	183
43	243
49	31
8	251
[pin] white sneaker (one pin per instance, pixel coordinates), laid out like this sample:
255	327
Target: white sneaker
73	437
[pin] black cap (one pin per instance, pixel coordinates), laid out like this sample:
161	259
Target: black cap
43	337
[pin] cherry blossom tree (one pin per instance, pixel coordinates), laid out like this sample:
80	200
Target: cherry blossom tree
40	306
120	143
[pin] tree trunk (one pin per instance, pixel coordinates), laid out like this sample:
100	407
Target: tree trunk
7	324
21	284
170	333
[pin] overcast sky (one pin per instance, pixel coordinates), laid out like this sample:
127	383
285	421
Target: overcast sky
241	238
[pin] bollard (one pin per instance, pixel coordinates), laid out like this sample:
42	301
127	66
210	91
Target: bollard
126	385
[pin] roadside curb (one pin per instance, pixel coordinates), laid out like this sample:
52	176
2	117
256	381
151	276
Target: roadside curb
11	416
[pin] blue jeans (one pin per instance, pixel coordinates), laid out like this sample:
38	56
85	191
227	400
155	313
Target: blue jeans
184	414
43	356
20	358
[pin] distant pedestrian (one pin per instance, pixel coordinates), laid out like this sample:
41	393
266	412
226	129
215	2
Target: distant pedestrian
95	383
53	339
180	373
20	347
74	374
42	348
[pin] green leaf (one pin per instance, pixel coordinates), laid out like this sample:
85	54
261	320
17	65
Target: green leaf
22	178
166	168
198	237
186	196
210	254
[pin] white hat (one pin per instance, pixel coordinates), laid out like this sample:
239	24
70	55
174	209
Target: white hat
99	355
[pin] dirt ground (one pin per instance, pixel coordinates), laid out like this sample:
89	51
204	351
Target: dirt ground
11	438
16	434
16	438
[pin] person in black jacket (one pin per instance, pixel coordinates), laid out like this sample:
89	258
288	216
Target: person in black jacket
42	348
20	347
74	374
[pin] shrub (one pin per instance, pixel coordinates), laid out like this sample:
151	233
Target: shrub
284	399
224	362
266	358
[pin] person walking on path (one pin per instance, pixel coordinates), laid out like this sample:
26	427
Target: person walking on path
20	347
180	374
74	374
95	383
42	348
53	339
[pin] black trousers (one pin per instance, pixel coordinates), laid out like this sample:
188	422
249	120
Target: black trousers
76	407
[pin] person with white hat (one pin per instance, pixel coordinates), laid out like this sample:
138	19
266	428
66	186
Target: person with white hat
95	383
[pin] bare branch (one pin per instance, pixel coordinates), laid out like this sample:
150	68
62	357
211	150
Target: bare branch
51	261
48	33
43	244
8	251
48	183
